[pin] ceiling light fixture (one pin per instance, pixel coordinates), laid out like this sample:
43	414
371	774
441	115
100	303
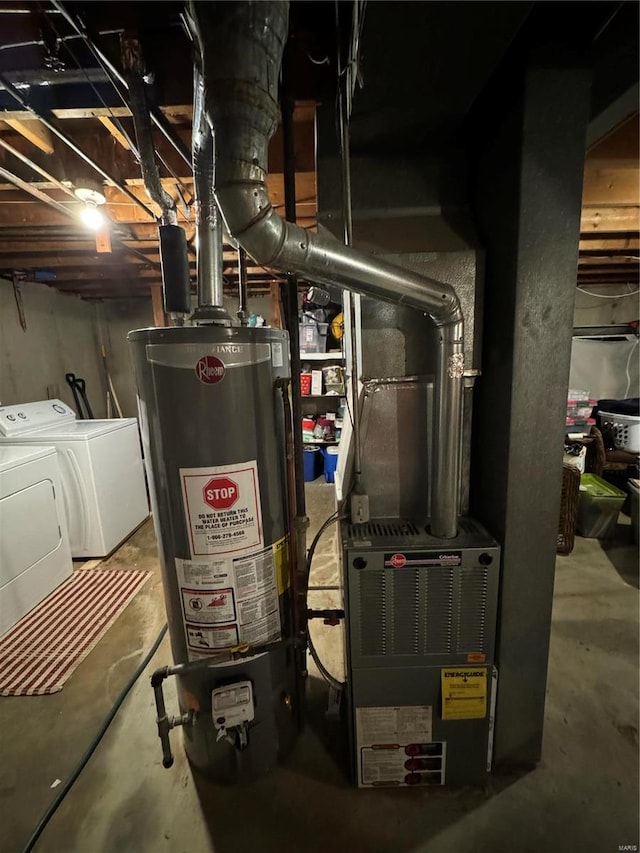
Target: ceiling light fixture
90	214
92	217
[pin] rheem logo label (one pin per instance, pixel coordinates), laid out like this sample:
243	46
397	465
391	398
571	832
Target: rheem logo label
221	493
210	369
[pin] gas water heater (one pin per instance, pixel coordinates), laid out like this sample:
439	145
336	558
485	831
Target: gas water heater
212	415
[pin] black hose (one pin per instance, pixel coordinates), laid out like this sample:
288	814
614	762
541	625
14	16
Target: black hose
77	770
324	672
314	544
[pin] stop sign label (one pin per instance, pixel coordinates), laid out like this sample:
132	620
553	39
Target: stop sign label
221	493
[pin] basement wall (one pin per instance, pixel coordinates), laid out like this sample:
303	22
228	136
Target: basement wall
606	369
255	304
602	309
61	337
116	318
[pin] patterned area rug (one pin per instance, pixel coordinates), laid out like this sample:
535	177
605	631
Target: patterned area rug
43	649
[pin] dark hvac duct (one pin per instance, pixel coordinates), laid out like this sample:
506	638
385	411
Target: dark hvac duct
241	46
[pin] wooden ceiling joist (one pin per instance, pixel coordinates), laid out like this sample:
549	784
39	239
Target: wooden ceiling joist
107	121
304	111
33	130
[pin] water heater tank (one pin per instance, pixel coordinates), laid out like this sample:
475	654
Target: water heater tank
212	417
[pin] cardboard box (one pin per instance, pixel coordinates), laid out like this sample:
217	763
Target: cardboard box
316	383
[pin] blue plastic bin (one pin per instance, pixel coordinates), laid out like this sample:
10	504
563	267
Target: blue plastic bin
312	463
330	463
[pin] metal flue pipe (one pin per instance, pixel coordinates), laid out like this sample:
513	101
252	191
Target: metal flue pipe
208	220
241	45
243	287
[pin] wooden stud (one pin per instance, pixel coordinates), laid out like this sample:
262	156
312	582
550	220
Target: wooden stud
275	319
103	240
159	317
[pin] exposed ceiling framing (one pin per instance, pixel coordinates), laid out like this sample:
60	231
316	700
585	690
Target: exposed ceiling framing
47	66
610	228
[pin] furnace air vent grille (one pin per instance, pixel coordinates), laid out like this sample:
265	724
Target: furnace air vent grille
382	528
472	611
437	611
373	623
406	613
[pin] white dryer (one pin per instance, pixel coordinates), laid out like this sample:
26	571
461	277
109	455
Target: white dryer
34	543
103	481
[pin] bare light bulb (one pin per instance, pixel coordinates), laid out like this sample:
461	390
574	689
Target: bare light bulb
92	217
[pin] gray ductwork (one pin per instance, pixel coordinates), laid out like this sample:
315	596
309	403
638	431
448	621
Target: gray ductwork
241	46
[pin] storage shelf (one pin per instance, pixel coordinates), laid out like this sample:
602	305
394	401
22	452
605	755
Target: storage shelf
320	443
322	396
321	356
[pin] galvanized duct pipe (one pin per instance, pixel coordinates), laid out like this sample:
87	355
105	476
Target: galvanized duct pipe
243	288
241	45
208	221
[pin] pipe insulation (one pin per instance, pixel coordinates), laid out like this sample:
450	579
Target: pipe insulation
174	260
241	46
134	74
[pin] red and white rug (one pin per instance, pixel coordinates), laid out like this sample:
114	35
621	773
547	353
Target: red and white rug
41	651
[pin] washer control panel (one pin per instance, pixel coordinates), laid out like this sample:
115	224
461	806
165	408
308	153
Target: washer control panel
27	417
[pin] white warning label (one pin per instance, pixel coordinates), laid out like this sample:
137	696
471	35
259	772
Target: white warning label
395	748
207	638
213	605
406	764
222	508
394	724
384	765
276	354
237	595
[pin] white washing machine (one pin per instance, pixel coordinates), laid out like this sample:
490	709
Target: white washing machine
103	481
34	542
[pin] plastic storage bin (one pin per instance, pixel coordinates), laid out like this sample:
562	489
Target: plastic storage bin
313	337
330	463
312	463
598	507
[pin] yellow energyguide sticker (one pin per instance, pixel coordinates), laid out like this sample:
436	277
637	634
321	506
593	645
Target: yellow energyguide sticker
464	693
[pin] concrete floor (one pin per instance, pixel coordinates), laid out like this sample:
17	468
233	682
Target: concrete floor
583	796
